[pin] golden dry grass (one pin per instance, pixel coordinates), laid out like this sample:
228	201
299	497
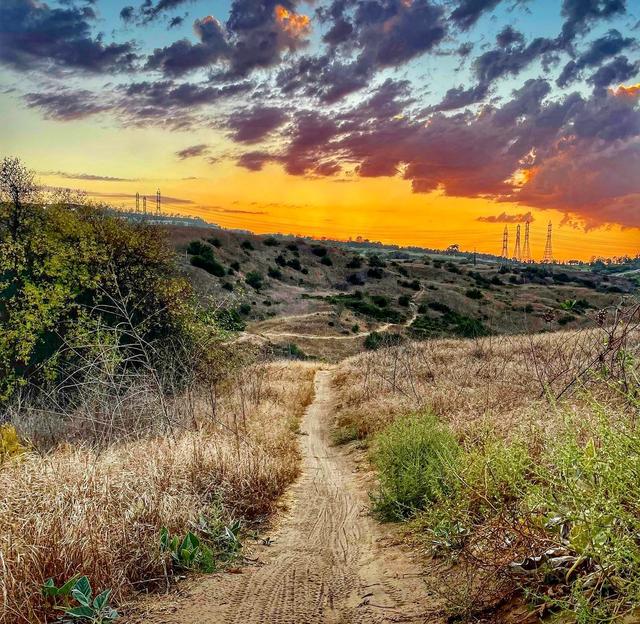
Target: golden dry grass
99	513
506	383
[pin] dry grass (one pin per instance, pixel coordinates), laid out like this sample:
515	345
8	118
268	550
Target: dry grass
508	384
98	511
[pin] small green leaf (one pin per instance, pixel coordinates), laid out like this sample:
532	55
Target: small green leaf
101	600
80	612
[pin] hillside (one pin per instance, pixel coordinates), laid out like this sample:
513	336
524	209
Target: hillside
325	297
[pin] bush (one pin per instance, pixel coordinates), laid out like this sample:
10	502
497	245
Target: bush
198	248
473	293
254	279
354	263
215	242
209	265
71	270
294	263
230	320
270	241
373	341
404	300
375	273
439	307
377	262
274	273
326	260
415	458
235	265
319	250
247	245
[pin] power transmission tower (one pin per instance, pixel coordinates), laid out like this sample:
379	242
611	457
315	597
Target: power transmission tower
526	253
517	256
158	202
548	253
505	243
137	202
144	205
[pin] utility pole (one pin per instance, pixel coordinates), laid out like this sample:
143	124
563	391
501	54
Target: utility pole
526	254
548	252
158	203
517	256
137	202
144	205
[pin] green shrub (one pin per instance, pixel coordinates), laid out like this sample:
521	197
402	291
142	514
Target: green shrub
326	261
247	245
415	458
354	263
319	250
404	301
373	341
198	248
209	265
254	279
66	273
230	320
270	241
215	242
274	273
473	293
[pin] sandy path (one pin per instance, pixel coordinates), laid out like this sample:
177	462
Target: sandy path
327	563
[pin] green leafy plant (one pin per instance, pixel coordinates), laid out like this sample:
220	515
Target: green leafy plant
211	543
414	457
87	608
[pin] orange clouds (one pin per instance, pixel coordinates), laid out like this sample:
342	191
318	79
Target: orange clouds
627	91
293	24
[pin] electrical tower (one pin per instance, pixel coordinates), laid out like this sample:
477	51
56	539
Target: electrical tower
158	203
548	253
137	202
526	253
517	255
505	243
144	205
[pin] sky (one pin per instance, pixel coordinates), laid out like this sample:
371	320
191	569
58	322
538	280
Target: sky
416	122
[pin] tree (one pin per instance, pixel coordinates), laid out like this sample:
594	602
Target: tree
17	189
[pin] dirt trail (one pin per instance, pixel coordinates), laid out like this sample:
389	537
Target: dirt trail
382	328
327	563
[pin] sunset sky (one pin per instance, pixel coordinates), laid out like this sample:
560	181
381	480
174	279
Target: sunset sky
426	122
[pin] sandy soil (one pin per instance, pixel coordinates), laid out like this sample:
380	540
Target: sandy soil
329	561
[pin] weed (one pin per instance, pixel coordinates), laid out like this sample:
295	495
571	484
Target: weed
10	443
88	609
414	457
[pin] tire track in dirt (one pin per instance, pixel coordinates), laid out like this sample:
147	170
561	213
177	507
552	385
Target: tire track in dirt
326	564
